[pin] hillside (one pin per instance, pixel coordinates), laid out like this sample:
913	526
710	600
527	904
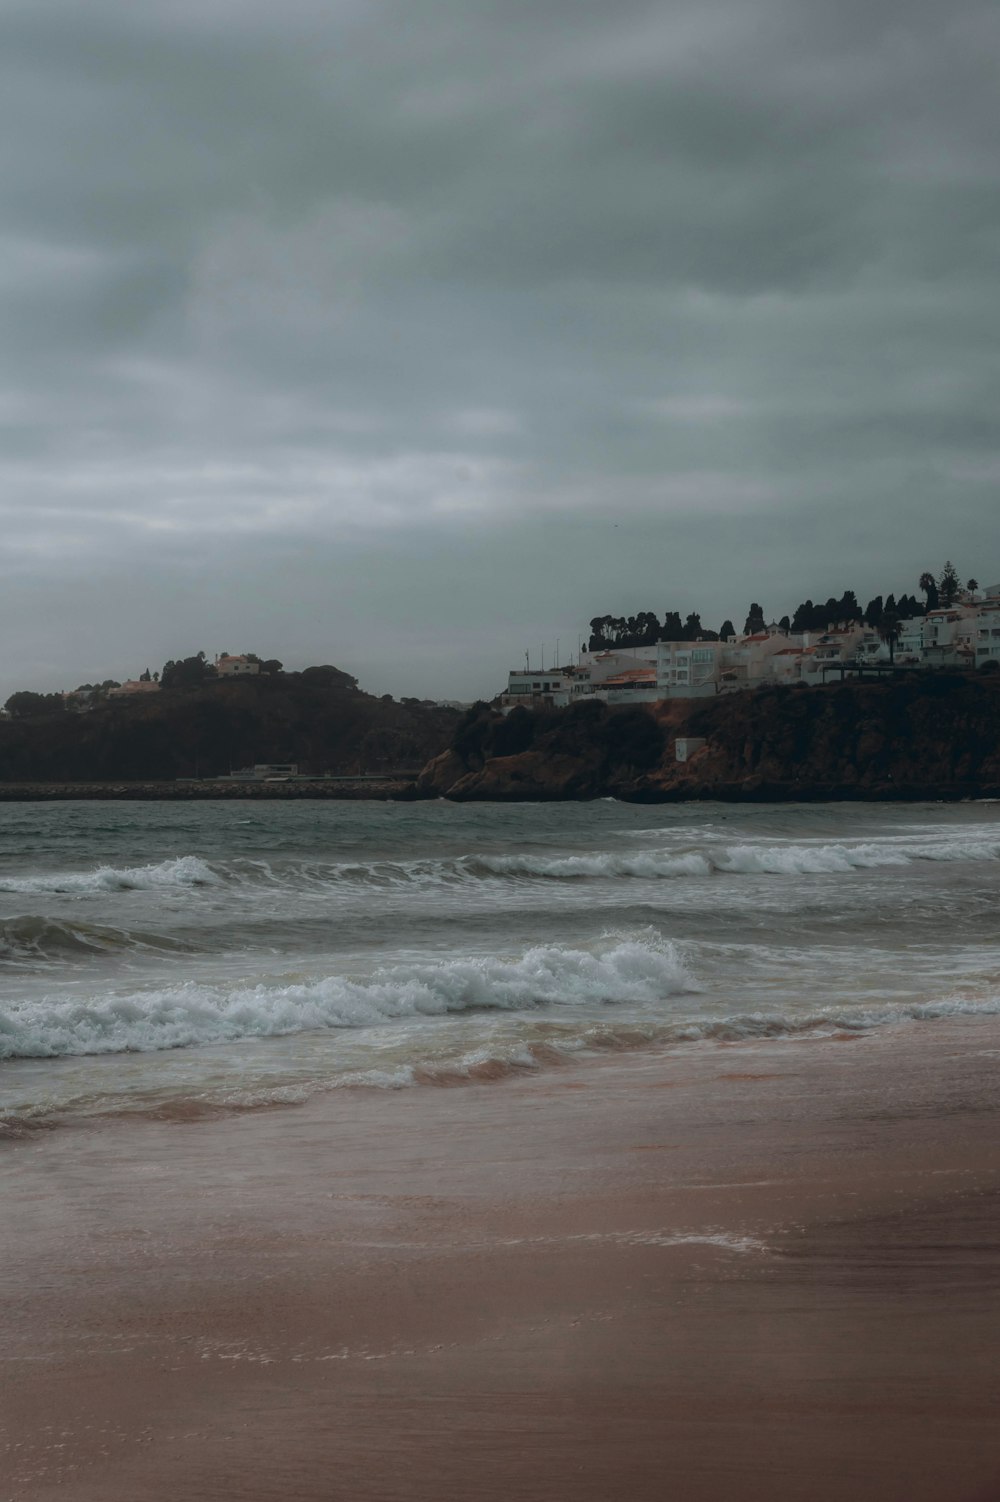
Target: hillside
931	735
318	718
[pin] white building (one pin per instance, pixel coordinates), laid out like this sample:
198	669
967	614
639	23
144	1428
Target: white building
948	636
961	635
689	669
986	641
235	667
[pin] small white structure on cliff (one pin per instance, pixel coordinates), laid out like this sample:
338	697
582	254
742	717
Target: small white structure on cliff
236	667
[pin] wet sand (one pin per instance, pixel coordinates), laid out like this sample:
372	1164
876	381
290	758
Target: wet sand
740	1272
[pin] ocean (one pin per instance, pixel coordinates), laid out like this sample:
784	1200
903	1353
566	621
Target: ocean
177	959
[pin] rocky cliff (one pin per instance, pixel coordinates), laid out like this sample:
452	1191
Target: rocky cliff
936	735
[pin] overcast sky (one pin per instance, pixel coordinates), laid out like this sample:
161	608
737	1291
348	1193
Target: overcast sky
409	334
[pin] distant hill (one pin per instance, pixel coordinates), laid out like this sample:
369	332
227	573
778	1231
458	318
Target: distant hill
318	718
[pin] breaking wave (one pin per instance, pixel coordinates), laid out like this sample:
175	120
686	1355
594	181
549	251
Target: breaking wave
184	871
316	877
773	860
191	1013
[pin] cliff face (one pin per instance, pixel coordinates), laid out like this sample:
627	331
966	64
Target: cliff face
936	735
583	752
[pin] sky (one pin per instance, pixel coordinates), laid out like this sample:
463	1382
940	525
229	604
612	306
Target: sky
408	335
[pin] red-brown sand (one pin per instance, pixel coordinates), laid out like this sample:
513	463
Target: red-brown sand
759	1272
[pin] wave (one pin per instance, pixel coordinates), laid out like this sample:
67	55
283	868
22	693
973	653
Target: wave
502	1061
184	871
711	859
542	1046
626	970
746	859
35	937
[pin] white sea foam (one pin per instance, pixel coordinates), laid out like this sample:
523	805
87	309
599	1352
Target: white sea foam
190	1013
184	871
791	859
494	1061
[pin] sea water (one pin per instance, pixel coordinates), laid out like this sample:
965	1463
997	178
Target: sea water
174	957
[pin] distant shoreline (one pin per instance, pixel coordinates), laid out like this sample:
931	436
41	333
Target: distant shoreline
203	791
405	791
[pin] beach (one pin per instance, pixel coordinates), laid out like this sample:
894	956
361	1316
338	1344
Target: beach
760	1270
397	1152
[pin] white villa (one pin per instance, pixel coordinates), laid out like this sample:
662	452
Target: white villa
965	635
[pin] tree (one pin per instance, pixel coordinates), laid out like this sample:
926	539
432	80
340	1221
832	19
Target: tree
972	586
888	630
755	622
873	611
673	629
272	665
726	630
929	586
190	672
785	624
692	627
598	633
20	705
847	607
948	584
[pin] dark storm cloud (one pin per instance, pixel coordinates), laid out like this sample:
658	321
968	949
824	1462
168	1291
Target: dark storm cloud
350	330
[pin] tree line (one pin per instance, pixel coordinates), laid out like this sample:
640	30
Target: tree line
882	613
187	672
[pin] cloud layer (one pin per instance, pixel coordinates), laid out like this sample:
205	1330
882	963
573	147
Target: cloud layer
407	335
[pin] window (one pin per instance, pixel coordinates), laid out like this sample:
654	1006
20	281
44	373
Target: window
702	654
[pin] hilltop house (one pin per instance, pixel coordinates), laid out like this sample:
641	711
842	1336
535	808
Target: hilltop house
236	667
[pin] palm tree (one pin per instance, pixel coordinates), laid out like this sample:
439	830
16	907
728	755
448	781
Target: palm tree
928	584
888	630
972	586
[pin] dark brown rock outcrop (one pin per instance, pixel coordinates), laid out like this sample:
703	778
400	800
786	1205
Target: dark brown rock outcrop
932	735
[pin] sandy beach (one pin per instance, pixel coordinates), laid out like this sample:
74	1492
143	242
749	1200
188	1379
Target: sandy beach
759	1271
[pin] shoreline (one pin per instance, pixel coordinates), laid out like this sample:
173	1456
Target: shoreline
748	1271
405	791
153	791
